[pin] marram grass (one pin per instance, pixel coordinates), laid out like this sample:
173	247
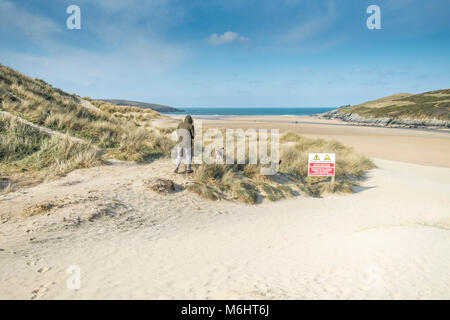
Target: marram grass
246	184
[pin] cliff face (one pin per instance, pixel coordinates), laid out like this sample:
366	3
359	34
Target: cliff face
386	121
424	110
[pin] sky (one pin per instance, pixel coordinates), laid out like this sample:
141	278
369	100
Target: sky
232	53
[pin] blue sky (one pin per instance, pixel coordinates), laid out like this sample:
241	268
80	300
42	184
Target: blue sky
256	53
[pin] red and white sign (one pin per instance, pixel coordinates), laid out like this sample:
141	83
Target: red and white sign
321	164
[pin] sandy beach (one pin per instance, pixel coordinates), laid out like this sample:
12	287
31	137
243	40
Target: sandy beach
388	240
426	147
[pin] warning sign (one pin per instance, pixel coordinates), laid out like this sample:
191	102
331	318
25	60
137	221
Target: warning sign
321	164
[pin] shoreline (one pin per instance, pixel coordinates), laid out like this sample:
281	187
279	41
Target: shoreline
419	146
303	119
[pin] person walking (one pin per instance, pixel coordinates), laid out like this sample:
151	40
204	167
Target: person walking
185	131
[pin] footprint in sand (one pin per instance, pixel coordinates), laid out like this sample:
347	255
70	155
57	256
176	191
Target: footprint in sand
43	270
40	292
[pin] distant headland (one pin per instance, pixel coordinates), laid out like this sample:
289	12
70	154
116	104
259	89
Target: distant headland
144	105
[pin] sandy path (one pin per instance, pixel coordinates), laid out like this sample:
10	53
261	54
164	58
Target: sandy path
424	147
50	132
389	240
89	105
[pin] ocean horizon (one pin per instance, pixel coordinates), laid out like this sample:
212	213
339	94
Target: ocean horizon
202	111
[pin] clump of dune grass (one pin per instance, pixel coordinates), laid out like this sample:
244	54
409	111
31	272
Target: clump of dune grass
62	155
245	182
350	165
219	179
204	191
138	144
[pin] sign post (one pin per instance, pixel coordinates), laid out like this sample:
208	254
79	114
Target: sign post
322	165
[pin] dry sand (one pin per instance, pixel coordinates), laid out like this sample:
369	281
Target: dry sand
390	239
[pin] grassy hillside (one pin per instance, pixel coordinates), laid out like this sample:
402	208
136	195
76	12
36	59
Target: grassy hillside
144	105
26	149
428	105
40	103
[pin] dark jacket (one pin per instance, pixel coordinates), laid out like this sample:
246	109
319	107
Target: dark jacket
188	125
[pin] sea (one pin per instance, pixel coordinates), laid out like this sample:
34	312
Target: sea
220	112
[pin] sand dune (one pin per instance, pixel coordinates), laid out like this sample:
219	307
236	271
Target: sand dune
388	240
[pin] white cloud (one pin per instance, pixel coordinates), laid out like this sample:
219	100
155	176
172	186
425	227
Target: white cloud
228	37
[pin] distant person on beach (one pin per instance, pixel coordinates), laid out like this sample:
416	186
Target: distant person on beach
185	131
